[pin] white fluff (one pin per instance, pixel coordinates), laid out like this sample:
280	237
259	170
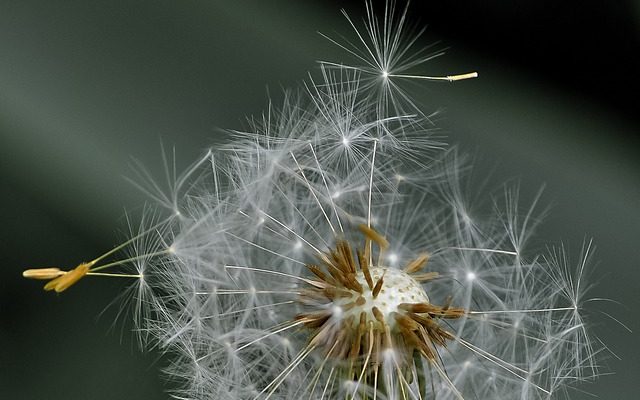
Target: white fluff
350	149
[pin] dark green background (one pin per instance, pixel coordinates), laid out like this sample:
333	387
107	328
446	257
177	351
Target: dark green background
87	85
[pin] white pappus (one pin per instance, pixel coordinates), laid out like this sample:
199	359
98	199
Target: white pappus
329	252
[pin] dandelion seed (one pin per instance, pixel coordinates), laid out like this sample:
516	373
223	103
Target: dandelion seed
42	273
60	280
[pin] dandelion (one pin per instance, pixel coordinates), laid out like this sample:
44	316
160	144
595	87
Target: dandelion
328	251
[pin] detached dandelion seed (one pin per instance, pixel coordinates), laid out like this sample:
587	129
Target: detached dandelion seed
328	252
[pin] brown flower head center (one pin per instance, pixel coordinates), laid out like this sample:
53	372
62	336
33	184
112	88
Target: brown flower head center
357	311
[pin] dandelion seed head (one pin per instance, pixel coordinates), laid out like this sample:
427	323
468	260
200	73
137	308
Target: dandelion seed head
327	251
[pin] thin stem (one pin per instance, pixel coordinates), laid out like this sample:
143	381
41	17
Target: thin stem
523	311
115	275
448	78
120	262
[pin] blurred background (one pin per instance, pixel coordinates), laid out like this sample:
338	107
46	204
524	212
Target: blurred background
88	86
